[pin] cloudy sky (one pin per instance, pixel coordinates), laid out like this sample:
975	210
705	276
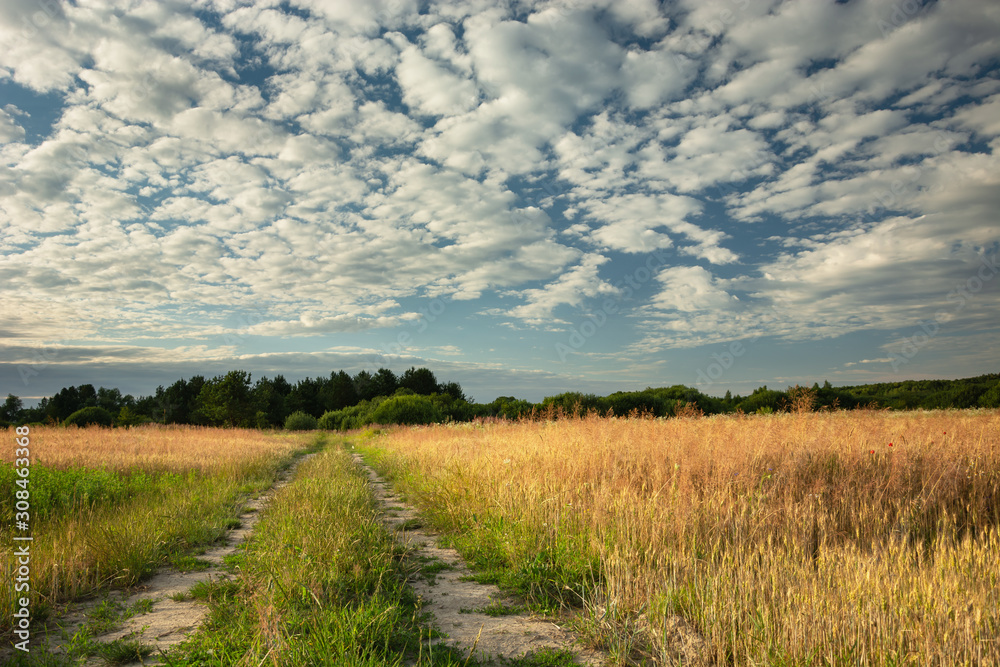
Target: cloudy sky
527	197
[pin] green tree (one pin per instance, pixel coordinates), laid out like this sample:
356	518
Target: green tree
305	396
454	390
70	399
112	400
991	398
419	381
176	404
300	421
338	393
12	410
88	416
269	400
364	385
384	383
128	417
227	400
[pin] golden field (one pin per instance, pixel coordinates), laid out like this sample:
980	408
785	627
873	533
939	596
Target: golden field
153	448
834	538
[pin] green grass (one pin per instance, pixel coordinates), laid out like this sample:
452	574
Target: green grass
188	563
322	583
123	651
550	576
98	530
545	657
55	491
496	609
432	569
109	614
210	591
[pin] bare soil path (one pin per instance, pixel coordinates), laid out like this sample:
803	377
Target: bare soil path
456	602
168	621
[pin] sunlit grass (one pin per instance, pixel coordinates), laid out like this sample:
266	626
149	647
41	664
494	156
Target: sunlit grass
154	448
854	538
322	582
110	506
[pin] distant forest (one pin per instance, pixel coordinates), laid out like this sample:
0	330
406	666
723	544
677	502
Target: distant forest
341	401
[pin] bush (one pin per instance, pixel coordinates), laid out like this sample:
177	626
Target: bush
356	416
89	416
128	417
411	409
300	421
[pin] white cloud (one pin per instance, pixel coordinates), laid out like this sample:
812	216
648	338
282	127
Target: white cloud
344	158
10	130
690	289
432	89
572	288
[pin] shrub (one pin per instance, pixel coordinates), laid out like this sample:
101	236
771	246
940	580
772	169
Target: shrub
300	421
411	409
128	417
89	416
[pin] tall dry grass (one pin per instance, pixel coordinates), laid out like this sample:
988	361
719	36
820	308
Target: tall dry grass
108	506
153	448
853	538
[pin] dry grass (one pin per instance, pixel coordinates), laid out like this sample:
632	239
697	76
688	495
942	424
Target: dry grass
854	538
153	448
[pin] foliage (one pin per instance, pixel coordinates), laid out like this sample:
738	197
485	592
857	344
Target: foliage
353	417
129	417
413	409
300	421
92	416
226	400
12	410
230	400
419	381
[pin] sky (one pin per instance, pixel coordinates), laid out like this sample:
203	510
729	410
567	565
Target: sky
526	197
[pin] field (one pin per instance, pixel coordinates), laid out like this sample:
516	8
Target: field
819	538
845	538
110	505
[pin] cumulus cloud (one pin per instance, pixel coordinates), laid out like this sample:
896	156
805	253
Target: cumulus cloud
572	288
801	161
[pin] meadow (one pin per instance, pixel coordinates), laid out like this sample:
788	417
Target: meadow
109	506
819	538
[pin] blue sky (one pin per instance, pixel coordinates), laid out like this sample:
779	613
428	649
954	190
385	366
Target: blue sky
526	197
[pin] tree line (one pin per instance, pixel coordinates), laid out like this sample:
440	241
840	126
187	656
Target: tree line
342	401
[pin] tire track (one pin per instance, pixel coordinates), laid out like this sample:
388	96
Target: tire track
168	622
454	600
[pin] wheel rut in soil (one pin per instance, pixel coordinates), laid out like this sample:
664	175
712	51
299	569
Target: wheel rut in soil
448	593
168	622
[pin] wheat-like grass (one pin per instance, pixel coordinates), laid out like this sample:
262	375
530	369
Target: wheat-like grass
856	538
153	448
